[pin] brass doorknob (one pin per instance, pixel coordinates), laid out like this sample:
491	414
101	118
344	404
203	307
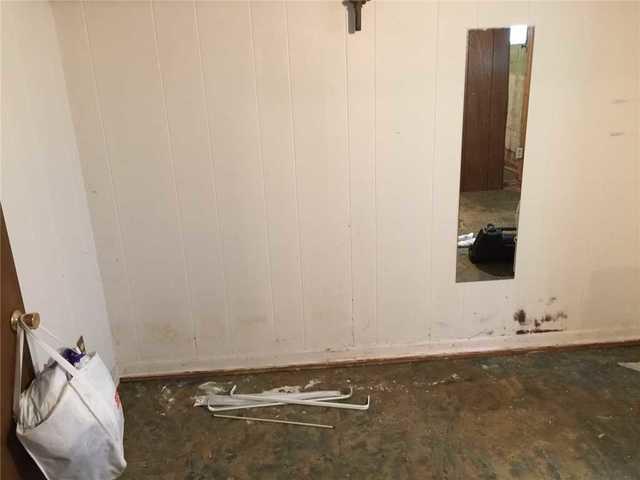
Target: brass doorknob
31	320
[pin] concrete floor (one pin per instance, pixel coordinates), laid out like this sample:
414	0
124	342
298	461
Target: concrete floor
560	415
476	210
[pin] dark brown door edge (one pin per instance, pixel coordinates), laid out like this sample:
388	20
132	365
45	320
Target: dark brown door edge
16	464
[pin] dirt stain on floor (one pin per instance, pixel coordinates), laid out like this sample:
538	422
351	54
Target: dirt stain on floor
562	415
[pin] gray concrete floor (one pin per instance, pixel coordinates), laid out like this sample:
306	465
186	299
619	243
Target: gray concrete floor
475	211
559	415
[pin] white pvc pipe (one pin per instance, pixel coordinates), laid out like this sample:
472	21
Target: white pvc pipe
226	400
273	420
271	404
308	403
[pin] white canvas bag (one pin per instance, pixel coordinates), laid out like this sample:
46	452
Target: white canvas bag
82	435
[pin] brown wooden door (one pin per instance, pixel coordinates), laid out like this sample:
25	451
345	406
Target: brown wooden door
485	110
15	461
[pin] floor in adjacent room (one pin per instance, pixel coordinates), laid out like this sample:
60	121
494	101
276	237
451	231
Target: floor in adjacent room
477	209
548	415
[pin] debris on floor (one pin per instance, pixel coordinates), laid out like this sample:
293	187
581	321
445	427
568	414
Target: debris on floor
453	378
219	398
292	400
285	389
312	383
632	365
215	387
274	420
492	423
466	240
166	399
220	403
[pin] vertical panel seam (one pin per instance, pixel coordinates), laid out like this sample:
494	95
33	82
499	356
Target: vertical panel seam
221	249
375	165
434	161
295	173
274	329
637	147
114	191
349	162
179	217
588	244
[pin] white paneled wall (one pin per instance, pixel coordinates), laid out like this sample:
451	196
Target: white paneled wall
43	195
267	189
405	102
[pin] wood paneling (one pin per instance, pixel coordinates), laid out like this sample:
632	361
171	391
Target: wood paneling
404	103
455	18
179	60
361	90
477	111
285	192
318	83
98	177
270	47
499	108
232	107
485	112
142	164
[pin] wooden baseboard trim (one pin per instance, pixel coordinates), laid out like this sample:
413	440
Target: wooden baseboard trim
379	361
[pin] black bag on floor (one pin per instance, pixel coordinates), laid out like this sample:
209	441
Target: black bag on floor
494	244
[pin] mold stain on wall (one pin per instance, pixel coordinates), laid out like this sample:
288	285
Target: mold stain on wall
520	316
